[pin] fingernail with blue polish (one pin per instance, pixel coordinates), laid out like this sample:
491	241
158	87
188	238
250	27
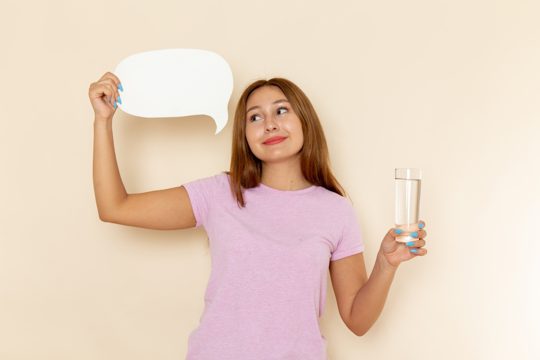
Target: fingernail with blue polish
115	105
120	87
410	243
398	231
414	250
421	226
119	100
414	234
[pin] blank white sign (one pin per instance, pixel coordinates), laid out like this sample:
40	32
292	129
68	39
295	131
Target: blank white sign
176	82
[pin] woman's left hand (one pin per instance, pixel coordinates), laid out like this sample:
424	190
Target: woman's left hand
394	252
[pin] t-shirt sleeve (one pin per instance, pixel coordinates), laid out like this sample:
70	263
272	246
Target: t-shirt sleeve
351	241
201	192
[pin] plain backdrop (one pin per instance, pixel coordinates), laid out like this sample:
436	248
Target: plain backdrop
451	87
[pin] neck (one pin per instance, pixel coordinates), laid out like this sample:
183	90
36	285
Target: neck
284	175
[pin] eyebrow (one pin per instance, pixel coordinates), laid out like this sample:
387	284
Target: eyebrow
275	102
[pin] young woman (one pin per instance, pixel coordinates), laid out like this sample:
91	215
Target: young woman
277	221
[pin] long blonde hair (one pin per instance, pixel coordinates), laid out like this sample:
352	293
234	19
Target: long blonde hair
246	169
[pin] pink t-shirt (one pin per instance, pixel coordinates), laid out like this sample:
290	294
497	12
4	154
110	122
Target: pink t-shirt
270	260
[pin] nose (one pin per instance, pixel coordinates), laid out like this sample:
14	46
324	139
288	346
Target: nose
270	124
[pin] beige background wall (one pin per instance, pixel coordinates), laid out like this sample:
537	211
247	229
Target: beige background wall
451	87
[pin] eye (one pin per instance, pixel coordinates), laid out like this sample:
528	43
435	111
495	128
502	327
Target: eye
251	118
284	108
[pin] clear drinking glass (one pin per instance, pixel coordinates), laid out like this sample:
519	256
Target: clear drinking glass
407	201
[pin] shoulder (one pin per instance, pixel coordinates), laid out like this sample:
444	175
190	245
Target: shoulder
333	199
335	207
218	179
338	207
209	183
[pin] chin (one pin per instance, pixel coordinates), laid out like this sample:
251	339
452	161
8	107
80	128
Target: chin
278	158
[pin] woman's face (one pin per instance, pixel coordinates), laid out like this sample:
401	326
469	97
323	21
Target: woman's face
269	114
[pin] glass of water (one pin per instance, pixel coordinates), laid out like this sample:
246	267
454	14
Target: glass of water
407	201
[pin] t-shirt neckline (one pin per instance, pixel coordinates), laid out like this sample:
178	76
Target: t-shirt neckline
286	192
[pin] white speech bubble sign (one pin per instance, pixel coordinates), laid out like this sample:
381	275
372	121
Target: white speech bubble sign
176	82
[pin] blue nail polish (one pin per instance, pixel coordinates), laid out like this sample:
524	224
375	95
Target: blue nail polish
414	234
410	243
115	105
421	226
119	100
120	87
414	250
398	231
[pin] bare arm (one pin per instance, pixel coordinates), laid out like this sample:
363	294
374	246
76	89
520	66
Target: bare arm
108	187
360	300
370	299
159	209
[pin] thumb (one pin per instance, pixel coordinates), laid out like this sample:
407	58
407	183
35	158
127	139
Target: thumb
389	243
391	235
389	240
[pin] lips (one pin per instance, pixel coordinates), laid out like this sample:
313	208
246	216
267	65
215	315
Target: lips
274	140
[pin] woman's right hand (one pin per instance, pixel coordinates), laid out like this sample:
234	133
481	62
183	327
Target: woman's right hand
104	94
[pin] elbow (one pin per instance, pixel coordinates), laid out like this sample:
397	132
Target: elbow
359	333
106	214
103	217
362	333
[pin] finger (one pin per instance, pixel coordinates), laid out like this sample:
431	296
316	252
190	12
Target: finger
117	82
110	75
421	224
114	88
396	232
100	90
112	94
418	251
419	234
111	100
415	234
417	243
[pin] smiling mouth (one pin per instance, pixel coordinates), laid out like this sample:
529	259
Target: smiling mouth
273	142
